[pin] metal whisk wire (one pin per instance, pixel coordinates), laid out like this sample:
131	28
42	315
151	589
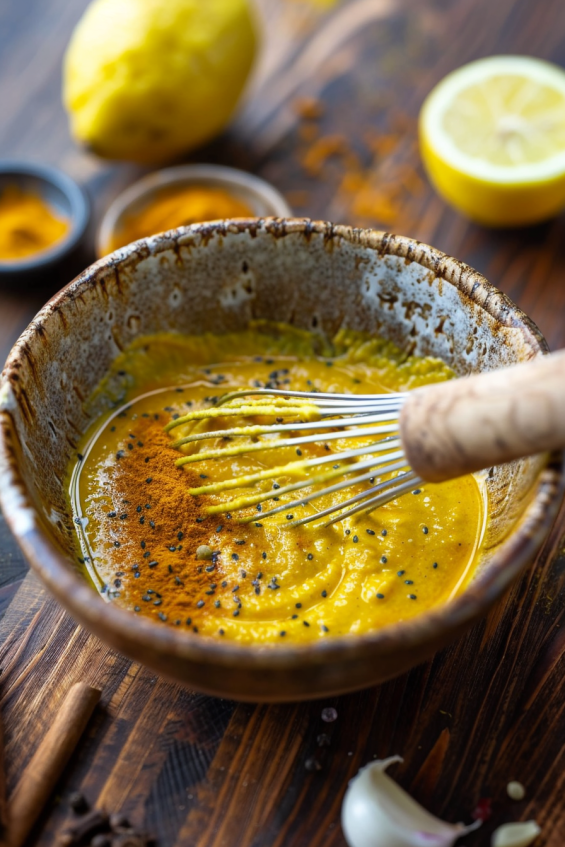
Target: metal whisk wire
344	415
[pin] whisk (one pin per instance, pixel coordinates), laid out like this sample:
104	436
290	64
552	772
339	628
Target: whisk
431	434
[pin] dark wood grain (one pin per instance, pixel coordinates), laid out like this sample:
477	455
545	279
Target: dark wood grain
200	771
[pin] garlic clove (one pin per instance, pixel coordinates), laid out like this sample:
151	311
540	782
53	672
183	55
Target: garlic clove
515	834
377	812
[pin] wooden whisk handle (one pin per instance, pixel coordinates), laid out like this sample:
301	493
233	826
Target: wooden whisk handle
459	427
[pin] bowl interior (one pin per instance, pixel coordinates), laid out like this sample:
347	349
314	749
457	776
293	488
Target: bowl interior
218	277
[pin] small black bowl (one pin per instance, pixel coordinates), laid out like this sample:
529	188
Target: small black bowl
65	196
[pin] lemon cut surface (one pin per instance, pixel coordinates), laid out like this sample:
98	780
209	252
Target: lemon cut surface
492	137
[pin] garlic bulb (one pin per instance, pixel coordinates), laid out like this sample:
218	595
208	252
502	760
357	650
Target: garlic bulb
377	812
515	834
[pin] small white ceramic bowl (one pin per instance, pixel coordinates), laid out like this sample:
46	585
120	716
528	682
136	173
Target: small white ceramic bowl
261	197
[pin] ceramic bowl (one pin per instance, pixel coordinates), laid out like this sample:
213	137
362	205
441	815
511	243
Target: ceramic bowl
259	196
66	197
217	277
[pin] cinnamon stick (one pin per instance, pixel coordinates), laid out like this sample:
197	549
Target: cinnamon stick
46	765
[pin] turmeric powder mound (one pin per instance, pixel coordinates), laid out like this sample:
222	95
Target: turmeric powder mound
27	224
179	206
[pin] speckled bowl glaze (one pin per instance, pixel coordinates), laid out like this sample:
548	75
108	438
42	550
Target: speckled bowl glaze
217	277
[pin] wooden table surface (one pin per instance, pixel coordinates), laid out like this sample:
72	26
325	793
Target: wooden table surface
195	770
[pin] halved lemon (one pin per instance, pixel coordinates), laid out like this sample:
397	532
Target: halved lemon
492	137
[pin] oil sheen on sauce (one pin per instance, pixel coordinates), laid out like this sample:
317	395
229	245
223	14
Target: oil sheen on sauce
266	583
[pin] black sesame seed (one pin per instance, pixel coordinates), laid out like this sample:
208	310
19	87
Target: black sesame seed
224	584
142	520
355	539
324	593
210	568
309	557
425	530
235	557
200	604
260	575
152	564
400	573
294	617
412	597
180	536
380	596
298	605
157	602
137	608
289	517
298	451
111	514
146	555
384	560
384	532
408	582
348	532
324	628
434	565
236	613
217	604
370	531
221	631
162	616
143	545
283	633
258	524
417	491
276	486
116	543
240	541
219	528
257	590
305	623
188	621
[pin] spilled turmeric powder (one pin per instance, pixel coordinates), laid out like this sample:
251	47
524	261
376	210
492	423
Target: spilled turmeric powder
178	206
28	225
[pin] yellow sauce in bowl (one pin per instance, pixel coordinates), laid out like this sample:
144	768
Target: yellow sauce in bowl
263	582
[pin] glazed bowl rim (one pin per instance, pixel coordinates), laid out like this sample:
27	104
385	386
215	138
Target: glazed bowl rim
78	220
77	596
218	175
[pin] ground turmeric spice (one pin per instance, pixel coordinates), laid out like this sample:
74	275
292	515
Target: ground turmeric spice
179	206
27	224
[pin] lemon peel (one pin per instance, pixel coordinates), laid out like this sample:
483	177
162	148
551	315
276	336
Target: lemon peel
146	81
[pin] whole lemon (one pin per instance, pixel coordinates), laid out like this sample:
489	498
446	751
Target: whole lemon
147	80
